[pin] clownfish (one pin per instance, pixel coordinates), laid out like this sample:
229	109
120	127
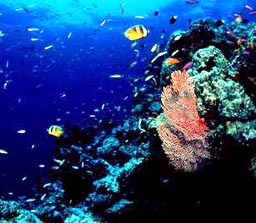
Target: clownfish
55	130
136	32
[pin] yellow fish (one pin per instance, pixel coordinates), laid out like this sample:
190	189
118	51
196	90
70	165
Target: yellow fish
55	130
136	32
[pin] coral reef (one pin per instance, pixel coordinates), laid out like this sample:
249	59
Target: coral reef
93	175
11	211
118	172
236	42
218	54
222	99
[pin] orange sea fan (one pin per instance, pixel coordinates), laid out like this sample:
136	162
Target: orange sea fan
184	132
179	105
185	155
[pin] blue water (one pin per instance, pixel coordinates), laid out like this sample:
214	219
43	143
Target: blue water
70	82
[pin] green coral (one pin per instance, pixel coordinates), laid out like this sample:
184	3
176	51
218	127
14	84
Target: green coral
108	144
241	130
12	212
220	95
78	215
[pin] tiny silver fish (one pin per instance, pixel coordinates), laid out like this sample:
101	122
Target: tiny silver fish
21	131
115	76
48	47
2	151
30	200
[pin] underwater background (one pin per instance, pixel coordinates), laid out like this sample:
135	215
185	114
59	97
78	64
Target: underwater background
69	64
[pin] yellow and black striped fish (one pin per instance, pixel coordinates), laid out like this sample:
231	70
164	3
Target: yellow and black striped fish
55	130
136	32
